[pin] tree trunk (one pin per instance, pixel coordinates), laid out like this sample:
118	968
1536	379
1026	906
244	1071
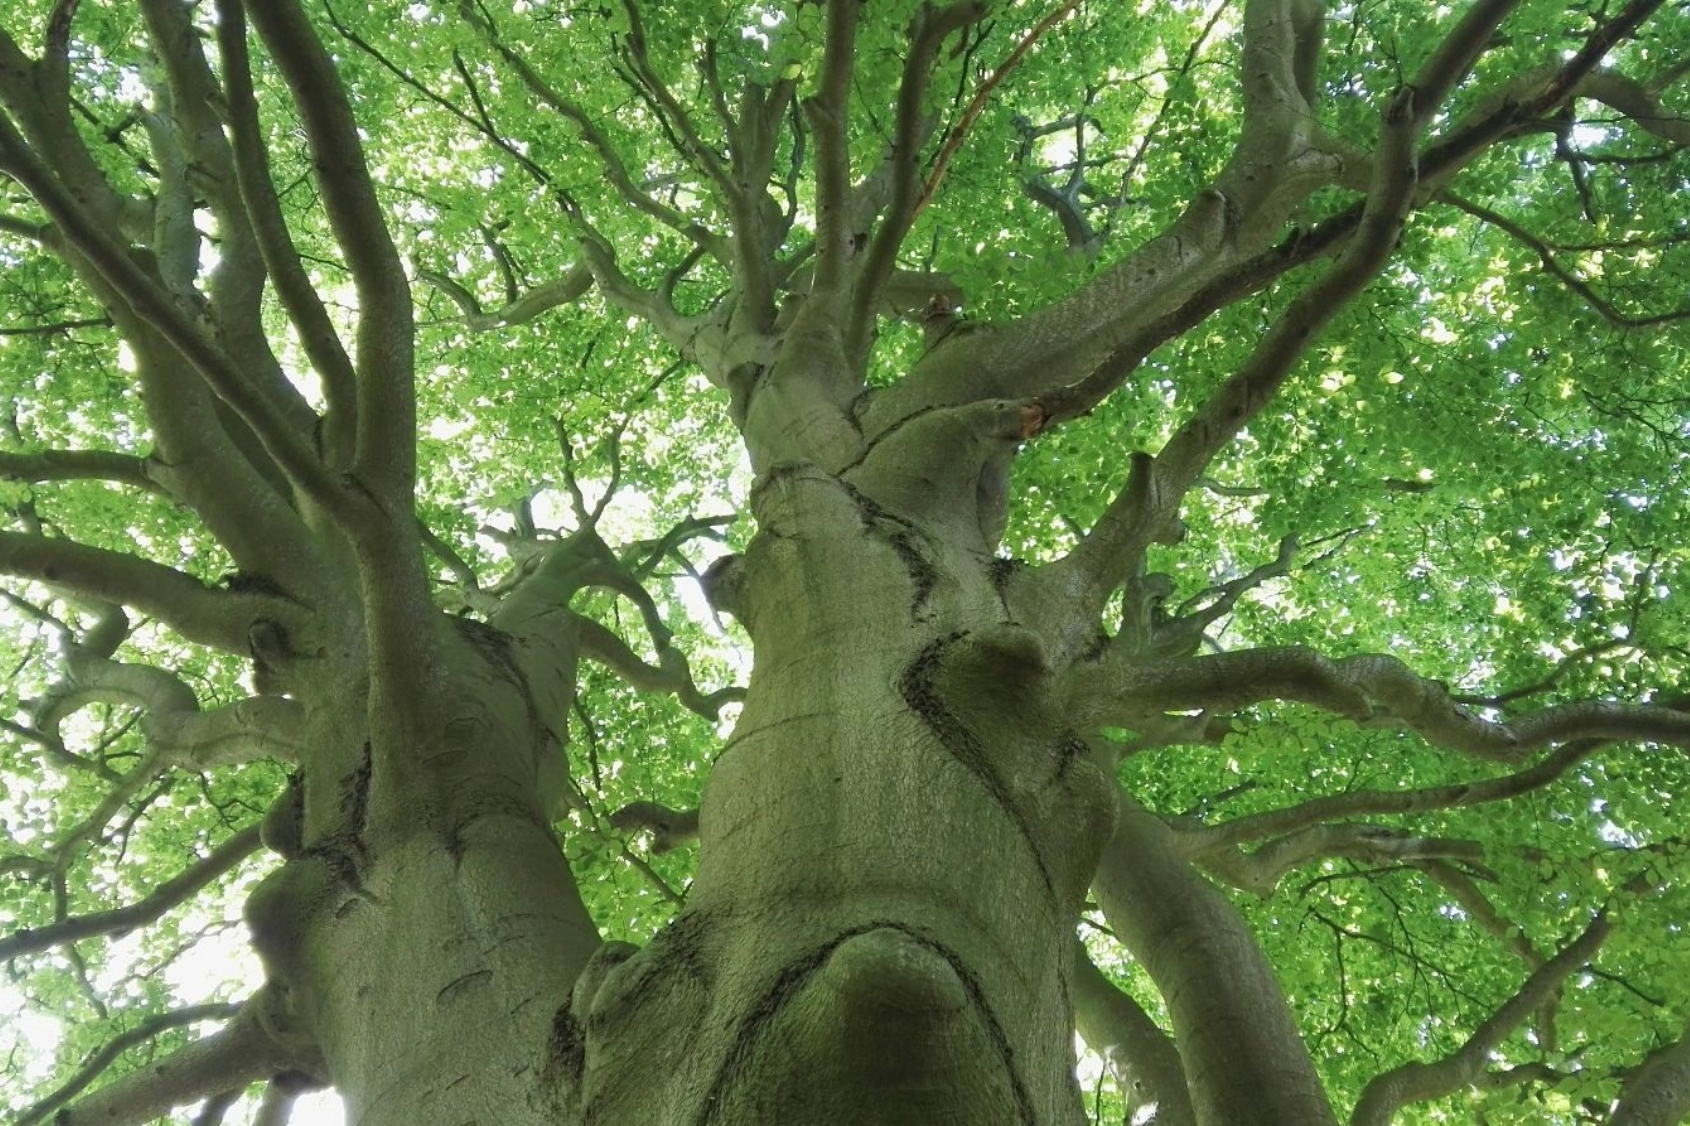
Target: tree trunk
425	928
895	843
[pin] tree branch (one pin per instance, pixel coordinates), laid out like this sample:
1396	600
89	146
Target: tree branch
827	111
1604	308
238	1054
1658	1093
119	921
976	105
1259	872
1243	1058
298	297
152	304
192	609
1143	1057
928	32
251	728
383	344
1145	512
1198	841
1157	632
563	290
1418	1082
109	1053
672	676
616	172
81	465
1366	688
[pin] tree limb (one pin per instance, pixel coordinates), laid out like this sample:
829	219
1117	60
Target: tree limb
976	105
1418	1082
239	1053
1146	511
1143	1058
563	290
1366	687
928	32
672	676
615	170
251	728
1259	872
81	465
119	921
383	344
1199	840
152	304
188	606
298	297
1245	1062
827	111
1658	1093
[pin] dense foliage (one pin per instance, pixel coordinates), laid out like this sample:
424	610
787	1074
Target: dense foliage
1482	468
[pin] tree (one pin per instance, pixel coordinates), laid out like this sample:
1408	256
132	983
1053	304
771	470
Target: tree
1325	676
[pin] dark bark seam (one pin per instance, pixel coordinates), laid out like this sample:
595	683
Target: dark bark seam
916	688
797	973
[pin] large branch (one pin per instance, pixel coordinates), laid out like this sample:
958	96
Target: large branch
562	290
931	27
251	728
828	113
1143	1057
1245	1061
1148	508
1658	1094
167	896
206	455
1167	287
298	297
189	126
197	612
236	1055
1199	841
1418	1082
384	343
1372	688
1280	157
672	675
153	304
1259	872
81	465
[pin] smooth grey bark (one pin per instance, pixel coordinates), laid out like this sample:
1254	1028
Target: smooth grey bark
897	837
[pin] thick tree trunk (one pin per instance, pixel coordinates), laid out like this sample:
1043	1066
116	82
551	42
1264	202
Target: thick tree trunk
895	842
425	928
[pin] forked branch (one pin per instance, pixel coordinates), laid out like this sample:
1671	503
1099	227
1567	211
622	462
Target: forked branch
234	1056
386	429
1417	1082
167	896
932	26
1369	688
1146	511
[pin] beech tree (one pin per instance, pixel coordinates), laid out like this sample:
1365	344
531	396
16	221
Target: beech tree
768	562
